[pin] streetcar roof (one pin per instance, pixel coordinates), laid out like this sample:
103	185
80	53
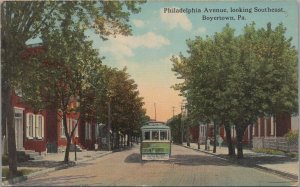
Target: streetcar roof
155	125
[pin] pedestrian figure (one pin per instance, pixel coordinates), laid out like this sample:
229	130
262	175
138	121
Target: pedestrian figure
208	144
220	141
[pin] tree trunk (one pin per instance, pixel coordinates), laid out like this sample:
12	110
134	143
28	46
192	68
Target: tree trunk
68	137
231	151
67	153
131	143
206	137
240	129
128	139
109	127
118	141
9	116
215	138
199	137
188	143
124	142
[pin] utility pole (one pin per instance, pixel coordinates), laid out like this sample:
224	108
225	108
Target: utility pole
181	120
215	137
109	126
199	136
173	109
155	111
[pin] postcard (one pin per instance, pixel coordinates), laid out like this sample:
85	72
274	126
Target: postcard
150	93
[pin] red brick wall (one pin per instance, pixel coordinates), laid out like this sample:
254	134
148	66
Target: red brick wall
35	145
283	123
194	132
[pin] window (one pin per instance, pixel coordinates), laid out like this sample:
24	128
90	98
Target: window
163	135
272	126
146	135
258	126
97	130
30	125
39	126
69	125
62	130
155	135
76	130
88	131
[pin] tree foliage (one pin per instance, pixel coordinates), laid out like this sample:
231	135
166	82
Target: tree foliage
233	79
127	113
25	20
175	125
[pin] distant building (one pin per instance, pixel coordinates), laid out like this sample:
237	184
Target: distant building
264	127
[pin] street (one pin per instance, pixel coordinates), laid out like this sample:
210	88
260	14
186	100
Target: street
185	168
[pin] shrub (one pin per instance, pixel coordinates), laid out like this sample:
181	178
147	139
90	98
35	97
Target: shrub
292	137
4	160
21	172
269	151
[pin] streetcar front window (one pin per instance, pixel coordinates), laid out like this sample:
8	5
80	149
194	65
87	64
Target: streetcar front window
146	135
155	135
163	135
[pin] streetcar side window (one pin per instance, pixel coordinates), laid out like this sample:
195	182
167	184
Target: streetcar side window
155	135
146	135
163	135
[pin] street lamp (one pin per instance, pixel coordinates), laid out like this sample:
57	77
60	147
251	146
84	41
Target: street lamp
109	121
183	106
155	111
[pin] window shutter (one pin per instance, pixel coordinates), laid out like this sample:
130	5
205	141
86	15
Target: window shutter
71	125
90	131
62	134
86	131
38	126
68	125
27	125
77	134
42	126
272	126
34	125
96	130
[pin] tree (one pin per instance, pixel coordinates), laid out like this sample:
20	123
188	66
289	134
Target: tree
268	78
22	21
234	79
60	74
126	105
174	124
204	73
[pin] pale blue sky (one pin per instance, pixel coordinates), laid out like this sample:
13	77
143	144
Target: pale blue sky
157	36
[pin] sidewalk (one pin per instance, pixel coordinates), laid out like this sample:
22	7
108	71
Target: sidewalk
279	164
54	161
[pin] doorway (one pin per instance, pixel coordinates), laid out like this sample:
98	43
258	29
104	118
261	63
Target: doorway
18	120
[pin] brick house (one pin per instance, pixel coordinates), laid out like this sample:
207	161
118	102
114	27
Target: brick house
264	127
41	131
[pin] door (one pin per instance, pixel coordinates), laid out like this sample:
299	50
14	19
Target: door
18	119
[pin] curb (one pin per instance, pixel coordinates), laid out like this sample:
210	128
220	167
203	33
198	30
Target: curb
256	166
64	166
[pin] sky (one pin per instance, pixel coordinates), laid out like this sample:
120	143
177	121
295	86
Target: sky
158	34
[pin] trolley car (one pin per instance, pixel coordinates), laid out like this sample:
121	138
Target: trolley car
156	144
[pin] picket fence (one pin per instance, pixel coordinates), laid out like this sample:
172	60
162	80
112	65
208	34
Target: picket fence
278	143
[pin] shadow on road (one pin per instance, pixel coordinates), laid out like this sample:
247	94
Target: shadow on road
133	158
65	180
41	164
251	160
192	160
197	160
